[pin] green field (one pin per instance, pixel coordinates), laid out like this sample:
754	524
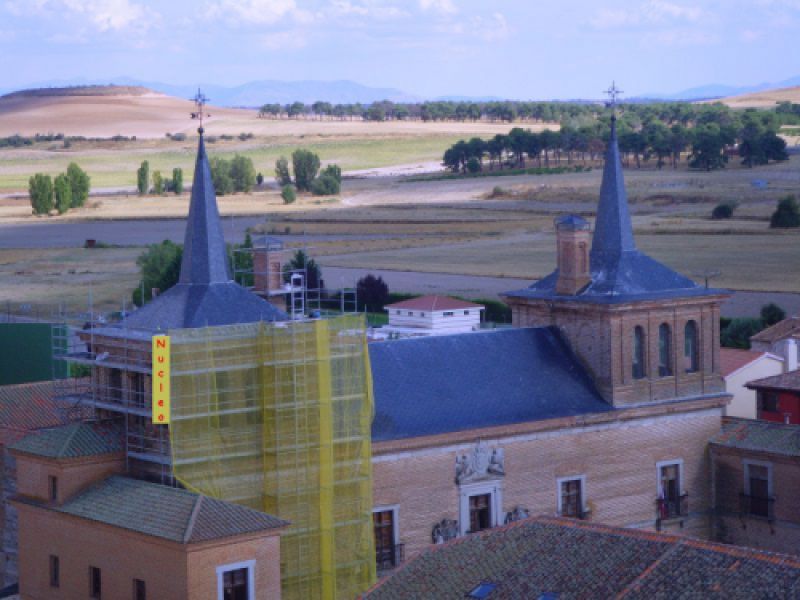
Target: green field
110	168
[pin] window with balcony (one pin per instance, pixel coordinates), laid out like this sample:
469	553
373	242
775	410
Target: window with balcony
480	512
571	497
388	552
757	500
672	501
638	370
664	350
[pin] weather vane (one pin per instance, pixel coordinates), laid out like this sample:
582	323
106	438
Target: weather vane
613	93
200	101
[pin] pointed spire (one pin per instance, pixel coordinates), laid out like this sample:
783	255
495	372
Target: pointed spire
613	232
205	259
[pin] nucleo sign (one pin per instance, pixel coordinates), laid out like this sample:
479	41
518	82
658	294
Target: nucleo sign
161	379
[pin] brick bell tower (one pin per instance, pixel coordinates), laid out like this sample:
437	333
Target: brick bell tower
645	333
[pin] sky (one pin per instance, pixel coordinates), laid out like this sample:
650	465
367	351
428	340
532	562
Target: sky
523	49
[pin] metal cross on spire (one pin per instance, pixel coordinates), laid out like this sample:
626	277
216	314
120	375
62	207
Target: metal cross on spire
613	93
200	101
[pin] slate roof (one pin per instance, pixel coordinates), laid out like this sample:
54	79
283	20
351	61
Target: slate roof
733	359
165	512
789	382
574	559
75	440
433	303
26	407
619	271
782	329
761	436
206	293
432	385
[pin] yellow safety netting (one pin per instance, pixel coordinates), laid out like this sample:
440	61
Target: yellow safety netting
276	416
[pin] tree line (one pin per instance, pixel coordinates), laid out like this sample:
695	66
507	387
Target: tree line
710	140
67	190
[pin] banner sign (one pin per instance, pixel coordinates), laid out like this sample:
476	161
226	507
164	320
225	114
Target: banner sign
161	379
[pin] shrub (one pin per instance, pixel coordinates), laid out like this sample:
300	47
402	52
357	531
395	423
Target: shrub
787	214
63	193
221	176
40	190
325	185
79	183
288	194
306	167
334	171
473	165
772	313
724	210
259	180
372	293
282	175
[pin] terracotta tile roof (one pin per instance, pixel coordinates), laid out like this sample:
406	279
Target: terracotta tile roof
573	559
782	329
733	359
165	512
785	381
73	441
761	436
27	407
434	303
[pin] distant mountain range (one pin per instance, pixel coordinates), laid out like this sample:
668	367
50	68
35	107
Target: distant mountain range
257	93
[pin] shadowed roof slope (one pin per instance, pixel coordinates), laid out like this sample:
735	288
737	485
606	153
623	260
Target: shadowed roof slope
165	512
761	436
206	293
75	440
574	559
428	386
619	272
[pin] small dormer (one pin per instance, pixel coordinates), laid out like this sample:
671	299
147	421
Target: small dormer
572	239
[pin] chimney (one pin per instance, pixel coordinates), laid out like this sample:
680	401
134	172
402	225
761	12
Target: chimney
572	239
789	354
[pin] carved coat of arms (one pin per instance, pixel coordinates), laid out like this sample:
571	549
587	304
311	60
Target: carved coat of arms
480	463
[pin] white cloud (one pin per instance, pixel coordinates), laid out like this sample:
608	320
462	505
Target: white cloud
653	12
367	8
751	35
103	15
679	37
256	12
494	29
445	7
284	40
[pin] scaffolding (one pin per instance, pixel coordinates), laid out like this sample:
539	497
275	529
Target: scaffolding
277	416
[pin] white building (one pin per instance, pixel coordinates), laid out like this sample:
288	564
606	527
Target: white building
740	366
431	315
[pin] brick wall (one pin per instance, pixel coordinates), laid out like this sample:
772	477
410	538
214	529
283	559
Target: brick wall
729	526
618	460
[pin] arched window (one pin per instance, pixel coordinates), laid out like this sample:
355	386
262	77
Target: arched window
690	349
638	353
664	350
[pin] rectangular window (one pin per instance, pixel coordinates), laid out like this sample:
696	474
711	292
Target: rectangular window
448	314
768	401
52	488
95	583
571	498
55	575
480	512
137	389
139	590
115	384
383	522
235	585
466	312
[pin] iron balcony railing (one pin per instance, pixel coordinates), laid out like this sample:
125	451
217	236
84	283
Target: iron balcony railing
390	557
757	506
672	508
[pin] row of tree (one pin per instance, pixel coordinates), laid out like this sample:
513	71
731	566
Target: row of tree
307	176
67	190
752	136
161	185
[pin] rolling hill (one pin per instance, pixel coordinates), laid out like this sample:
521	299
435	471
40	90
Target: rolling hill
763	99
